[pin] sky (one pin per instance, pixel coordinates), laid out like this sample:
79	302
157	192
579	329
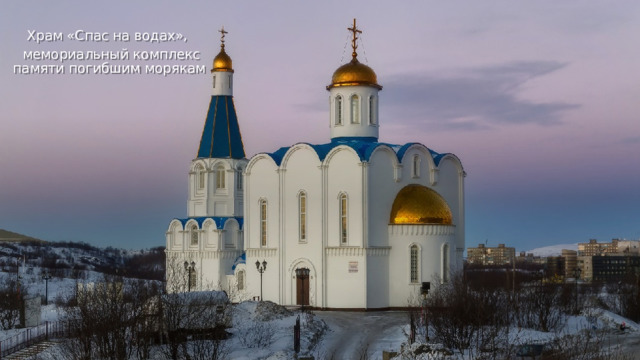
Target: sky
539	100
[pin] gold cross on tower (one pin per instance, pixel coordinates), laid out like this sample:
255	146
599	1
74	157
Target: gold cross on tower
223	32
355	32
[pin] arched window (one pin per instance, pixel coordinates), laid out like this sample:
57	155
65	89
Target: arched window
240	278
413	263
415	166
338	110
372	110
194	235
355	109
220	177
263	222
445	263
200	177
214	81
343	219
302	216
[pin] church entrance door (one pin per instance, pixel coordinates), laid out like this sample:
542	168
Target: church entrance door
302	290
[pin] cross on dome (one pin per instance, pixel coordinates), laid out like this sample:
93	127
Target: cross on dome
355	32
222	32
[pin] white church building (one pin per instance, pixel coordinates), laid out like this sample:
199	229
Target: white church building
366	221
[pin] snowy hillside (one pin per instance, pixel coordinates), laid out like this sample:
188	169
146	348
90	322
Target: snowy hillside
553	250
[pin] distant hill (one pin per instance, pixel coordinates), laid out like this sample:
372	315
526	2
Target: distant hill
6	235
553	250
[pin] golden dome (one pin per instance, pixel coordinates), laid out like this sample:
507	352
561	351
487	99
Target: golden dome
417	204
354	73
222	62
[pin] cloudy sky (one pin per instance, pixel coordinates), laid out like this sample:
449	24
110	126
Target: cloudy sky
539	99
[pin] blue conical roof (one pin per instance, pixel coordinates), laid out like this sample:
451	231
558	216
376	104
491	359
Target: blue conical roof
221	136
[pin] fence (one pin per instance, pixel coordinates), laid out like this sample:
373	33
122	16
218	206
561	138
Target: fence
35	335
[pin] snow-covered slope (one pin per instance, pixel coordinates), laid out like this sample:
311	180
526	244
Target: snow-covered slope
553	250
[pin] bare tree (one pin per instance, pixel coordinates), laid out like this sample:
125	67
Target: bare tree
9	305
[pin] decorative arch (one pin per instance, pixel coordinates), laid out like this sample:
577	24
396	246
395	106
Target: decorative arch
289	154
338	149
422	150
257	158
231	234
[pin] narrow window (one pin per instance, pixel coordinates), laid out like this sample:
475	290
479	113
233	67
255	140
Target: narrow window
414	263
372	110
302	216
445	263
343	219
263	222
193	279
200	177
241	280
194	235
221	176
338	110
239	179
415	167
214	81
355	109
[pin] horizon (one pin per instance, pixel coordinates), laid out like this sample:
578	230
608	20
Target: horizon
537	99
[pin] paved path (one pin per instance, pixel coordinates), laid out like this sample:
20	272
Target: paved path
354	334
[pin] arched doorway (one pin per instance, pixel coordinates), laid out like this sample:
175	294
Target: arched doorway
302	286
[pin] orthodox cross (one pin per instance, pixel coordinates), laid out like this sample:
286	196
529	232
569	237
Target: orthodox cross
355	32
223	32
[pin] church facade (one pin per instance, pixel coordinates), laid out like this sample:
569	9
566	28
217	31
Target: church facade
353	223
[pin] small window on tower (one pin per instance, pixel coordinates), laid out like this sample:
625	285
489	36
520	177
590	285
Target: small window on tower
372	110
355	109
220	177
214	81
338	110
200	177
239	185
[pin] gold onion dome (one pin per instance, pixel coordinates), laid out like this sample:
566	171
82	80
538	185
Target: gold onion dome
222	61
354	73
417	204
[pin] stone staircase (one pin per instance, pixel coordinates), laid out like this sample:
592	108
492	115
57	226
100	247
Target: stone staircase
31	351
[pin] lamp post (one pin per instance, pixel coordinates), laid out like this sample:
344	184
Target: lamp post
576	275
303	274
424	290
261	268
189	268
46	277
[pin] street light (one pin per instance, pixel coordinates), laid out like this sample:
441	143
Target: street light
189	268
303	274
424	290
46	277
261	268
576	275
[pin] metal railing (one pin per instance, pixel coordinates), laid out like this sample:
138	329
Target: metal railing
37	334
